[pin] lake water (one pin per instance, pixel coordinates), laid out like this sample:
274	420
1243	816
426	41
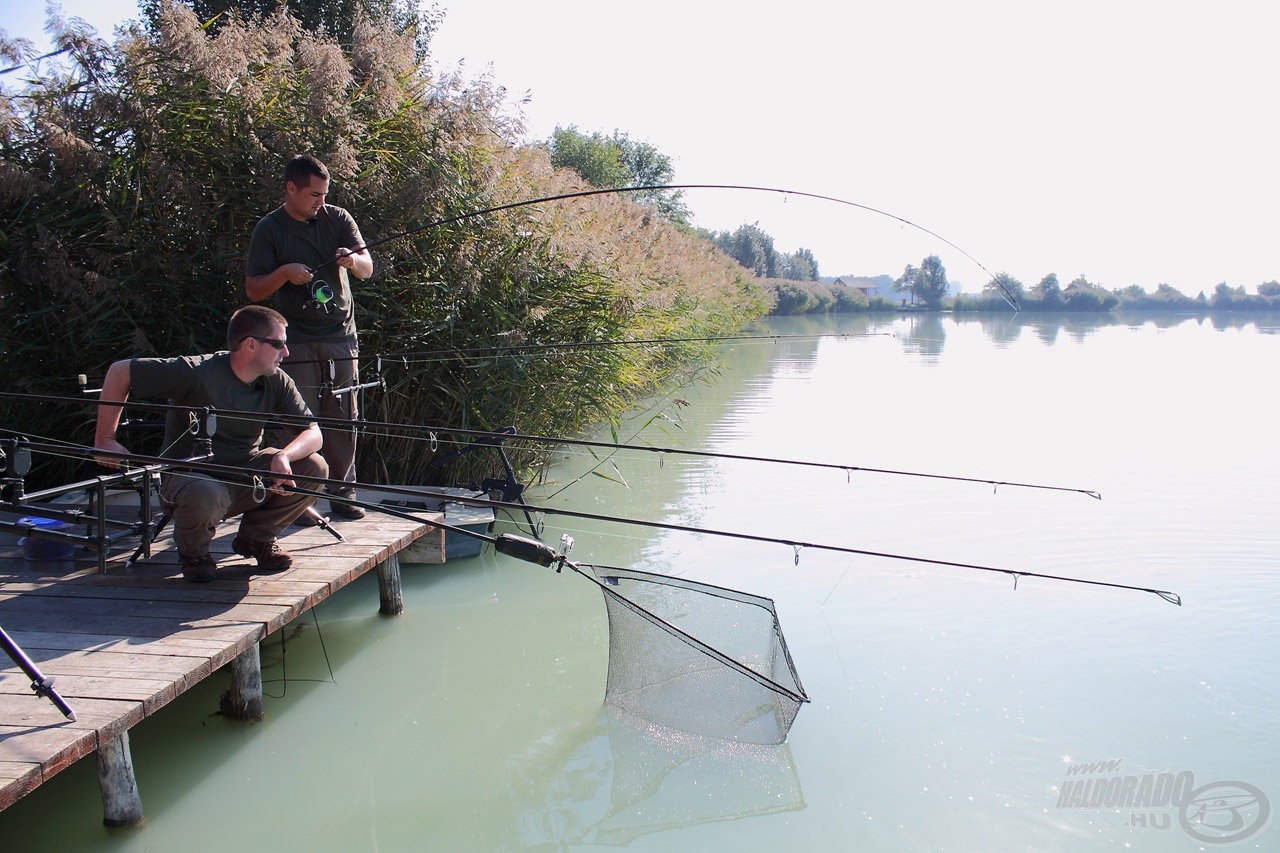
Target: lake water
950	711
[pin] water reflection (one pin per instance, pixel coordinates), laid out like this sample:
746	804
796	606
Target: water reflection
1005	329
1002	329
924	336
613	779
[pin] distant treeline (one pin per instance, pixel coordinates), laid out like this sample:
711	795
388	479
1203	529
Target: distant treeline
925	288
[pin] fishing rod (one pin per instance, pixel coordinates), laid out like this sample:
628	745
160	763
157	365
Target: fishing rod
795	544
848	469
1008	297
509	435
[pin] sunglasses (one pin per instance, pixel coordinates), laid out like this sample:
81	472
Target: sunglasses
278	343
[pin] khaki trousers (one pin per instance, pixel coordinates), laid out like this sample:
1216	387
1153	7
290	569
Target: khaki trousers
319	368
197	502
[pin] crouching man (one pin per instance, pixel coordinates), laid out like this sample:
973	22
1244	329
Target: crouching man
246	378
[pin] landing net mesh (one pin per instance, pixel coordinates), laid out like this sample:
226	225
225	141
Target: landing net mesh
698	658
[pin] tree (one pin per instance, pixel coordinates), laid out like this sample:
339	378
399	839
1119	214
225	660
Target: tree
618	161
1004	286
1226	296
1048	292
932	287
799	267
928	284
1269	288
1083	295
906	283
751	247
804	265
597	159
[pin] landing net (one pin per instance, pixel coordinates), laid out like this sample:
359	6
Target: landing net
698	658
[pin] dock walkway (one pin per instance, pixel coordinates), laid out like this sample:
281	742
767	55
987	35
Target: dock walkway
122	644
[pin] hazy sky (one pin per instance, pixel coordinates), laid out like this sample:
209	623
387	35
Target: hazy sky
1131	142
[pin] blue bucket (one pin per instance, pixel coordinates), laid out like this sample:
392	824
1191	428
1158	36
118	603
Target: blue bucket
38	548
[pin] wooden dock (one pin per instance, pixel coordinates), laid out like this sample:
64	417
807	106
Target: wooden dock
122	644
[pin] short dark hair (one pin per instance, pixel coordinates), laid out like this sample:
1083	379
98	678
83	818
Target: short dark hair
252	320
301	168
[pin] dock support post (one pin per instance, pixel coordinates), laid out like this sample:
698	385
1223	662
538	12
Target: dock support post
121	805
390	594
244	700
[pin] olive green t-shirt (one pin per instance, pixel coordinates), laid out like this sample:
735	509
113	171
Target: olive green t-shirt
208	380
280	239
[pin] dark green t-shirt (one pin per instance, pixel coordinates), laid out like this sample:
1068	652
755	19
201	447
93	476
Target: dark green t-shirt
207	380
280	239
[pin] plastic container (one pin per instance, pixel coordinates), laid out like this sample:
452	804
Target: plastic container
37	548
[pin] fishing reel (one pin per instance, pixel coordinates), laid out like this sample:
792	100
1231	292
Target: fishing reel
320	294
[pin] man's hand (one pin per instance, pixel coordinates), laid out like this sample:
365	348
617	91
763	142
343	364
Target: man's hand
284	470
356	260
297	273
111	446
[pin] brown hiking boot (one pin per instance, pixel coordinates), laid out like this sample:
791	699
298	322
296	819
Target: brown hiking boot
201	569
270	556
347	511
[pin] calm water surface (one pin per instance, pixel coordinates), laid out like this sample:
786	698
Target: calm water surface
948	709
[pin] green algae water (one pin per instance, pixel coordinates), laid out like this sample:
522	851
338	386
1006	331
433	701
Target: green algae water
950	710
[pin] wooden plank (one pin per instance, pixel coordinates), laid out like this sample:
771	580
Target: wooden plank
71	608
90	661
153	693
17	779
22	713
263	592
206	640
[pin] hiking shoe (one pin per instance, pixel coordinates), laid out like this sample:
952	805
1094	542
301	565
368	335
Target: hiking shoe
201	569
270	556
348	511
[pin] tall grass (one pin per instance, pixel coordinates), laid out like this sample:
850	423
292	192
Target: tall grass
131	177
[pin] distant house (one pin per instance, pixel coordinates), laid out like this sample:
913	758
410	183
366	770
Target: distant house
881	286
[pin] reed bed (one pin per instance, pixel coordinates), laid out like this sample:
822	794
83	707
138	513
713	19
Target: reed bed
132	173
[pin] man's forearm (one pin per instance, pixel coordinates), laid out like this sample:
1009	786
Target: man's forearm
305	443
115	388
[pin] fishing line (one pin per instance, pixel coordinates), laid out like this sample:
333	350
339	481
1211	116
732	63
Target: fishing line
607	458
390	429
1008	297
284	664
284	672
796	545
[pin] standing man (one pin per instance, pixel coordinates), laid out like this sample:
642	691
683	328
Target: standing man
247	378
302	235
